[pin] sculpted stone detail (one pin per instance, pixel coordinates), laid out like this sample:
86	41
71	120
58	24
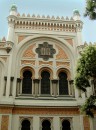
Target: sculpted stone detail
29	52
49	63
2	45
61	54
86	123
4	122
27	62
62	64
45	51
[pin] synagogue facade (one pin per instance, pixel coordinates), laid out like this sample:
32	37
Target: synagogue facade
37	70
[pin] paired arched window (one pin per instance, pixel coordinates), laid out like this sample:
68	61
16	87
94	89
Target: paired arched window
25	125
66	125
46	125
63	84
27	82
45	82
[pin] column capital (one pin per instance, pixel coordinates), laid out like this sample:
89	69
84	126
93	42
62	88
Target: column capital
12	78
54	80
36	80
18	80
71	81
5	77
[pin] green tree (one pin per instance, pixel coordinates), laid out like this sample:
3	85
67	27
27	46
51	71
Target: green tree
86	75
90	9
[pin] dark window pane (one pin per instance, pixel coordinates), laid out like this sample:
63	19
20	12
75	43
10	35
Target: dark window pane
46	125
66	125
45	83
25	125
27	83
63	84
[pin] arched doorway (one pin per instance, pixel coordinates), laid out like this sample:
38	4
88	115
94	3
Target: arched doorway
25	125
46	125
27	82
66	125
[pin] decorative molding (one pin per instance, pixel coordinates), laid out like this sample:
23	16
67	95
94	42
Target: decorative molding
45	63
65	111
5	110
27	62
58	63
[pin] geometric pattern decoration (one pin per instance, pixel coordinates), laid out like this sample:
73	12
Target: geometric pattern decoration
86	123
29	52
4	122
45	51
61	53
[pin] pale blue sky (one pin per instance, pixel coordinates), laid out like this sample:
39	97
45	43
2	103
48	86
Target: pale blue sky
48	7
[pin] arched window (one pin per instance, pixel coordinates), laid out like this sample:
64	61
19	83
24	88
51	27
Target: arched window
45	82
27	82
66	125
63	84
25	125
46	125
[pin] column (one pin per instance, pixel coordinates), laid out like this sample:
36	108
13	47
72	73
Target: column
54	87
71	83
4	92
11	85
18	86
36	87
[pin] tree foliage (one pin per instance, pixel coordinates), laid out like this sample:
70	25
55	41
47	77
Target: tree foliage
85	72
90	9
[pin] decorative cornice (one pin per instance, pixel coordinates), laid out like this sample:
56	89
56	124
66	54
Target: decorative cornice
46	23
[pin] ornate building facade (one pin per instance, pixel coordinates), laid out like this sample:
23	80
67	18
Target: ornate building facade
37	70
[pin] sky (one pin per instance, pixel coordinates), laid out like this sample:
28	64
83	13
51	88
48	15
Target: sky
49	7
